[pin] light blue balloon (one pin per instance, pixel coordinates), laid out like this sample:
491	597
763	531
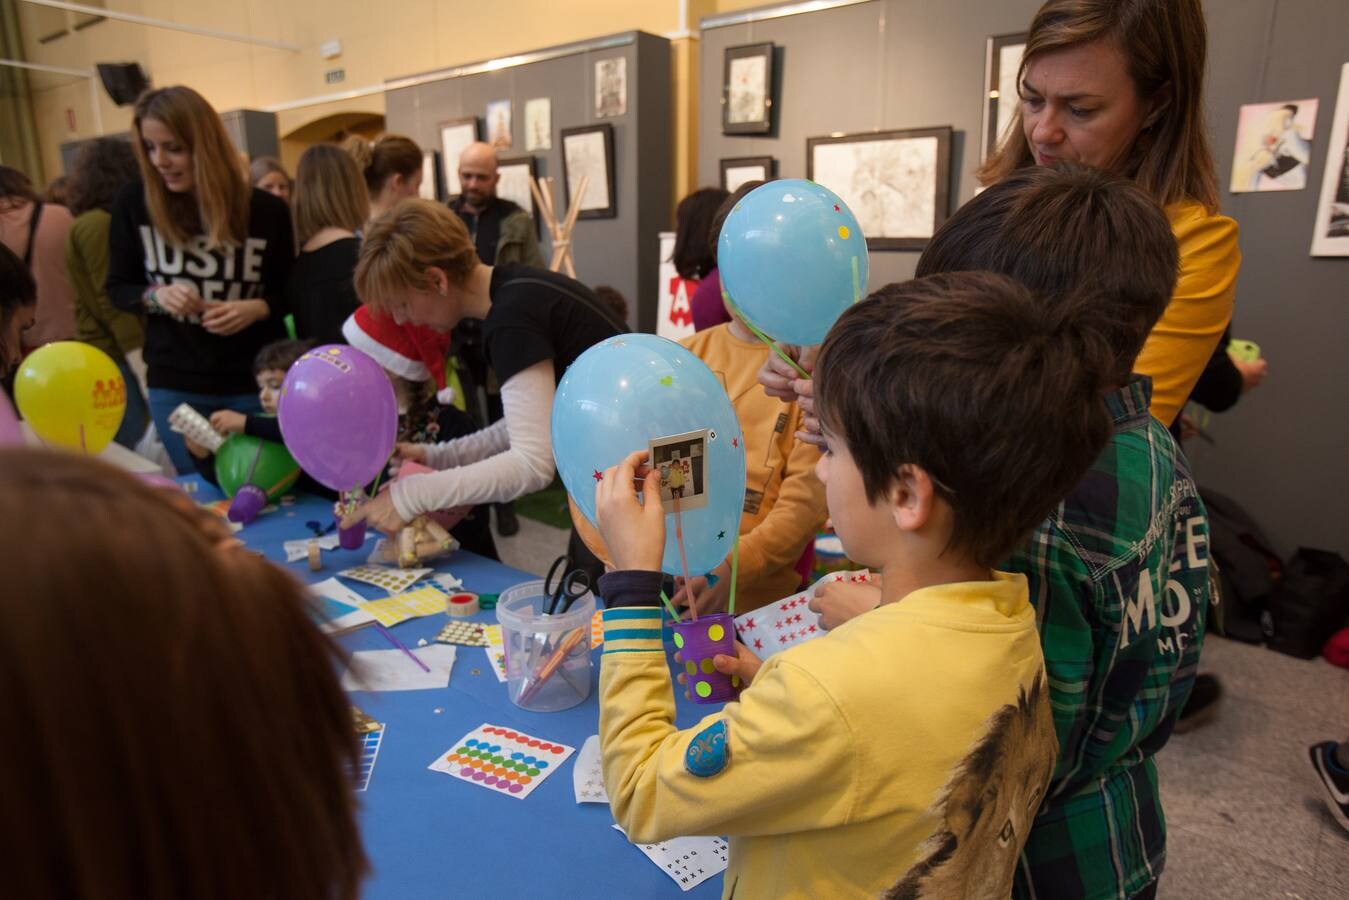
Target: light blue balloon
792	258
634	388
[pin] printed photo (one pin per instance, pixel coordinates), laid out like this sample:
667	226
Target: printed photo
1274	146
681	460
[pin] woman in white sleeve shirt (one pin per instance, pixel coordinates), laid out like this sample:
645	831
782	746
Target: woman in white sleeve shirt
418	264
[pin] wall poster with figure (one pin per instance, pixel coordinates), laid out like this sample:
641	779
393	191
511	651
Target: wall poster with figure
1331	237
1274	146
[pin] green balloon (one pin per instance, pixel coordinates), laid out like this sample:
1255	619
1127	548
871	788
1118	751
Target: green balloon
276	470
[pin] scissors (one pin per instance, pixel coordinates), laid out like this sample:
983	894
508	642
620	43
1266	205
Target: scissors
571	587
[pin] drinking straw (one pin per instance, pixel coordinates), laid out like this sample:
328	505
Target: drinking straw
735	573
388	636
683	562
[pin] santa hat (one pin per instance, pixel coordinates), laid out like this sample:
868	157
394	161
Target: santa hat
408	351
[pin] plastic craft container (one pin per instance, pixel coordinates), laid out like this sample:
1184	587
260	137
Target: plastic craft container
547	657
698	641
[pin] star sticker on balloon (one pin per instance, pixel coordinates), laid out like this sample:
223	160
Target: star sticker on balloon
667	380
721	535
735	442
598	476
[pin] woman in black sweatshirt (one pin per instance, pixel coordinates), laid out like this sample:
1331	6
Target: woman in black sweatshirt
203	255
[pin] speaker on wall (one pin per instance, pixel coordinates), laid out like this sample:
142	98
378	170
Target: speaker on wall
124	82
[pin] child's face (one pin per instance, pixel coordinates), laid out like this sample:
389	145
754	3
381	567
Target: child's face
864	528
269	388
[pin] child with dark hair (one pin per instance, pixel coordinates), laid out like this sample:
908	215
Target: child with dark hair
1118	572
18	308
906	752
706	305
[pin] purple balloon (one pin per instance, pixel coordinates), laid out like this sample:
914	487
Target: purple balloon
338	416
10	432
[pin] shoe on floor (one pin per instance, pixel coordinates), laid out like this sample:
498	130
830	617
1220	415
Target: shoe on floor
507	523
1202	704
1333	778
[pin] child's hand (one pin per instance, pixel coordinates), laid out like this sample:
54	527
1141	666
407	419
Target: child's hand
195	449
838	601
744	663
414	452
633	531
379	513
707	599
227	421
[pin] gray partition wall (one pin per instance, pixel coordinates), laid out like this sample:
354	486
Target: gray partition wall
621	251
886	64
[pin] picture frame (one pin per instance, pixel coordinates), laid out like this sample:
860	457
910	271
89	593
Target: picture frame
1001	64
589	150
681	461
897	183
1273	149
1330	236
740	169
747	89
430	189
538	124
611	87
516	173
455	135
499	125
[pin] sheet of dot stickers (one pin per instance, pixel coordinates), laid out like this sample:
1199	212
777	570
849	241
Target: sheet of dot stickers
688	860
597	629
586	778
496	650
392	580
467	634
788	622
389	611
500	759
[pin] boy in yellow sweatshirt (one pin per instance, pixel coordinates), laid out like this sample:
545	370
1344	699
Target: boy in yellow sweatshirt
906	752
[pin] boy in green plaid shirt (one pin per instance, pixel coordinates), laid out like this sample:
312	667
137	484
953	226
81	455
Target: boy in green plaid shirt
1119	573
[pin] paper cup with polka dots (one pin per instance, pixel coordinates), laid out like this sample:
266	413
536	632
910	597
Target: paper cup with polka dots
699	641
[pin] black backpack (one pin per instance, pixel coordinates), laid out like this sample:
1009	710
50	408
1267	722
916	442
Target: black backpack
1308	604
1248	568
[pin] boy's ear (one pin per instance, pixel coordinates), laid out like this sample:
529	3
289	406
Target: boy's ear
437	280
911	497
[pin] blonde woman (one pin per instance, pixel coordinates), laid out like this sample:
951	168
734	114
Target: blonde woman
391	166
418	264
203	255
267	173
330	206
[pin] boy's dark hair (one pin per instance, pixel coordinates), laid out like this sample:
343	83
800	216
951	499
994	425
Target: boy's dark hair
994	393
279	355
693	223
1062	229
17	286
614	301
102	168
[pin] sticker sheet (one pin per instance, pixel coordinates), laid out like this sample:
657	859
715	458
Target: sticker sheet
788	622
466	634
496	650
689	861
503	760
370	742
392	580
586	778
389	611
391	670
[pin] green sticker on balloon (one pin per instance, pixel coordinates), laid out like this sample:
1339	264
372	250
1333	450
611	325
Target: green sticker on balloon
679	640
716	632
703	689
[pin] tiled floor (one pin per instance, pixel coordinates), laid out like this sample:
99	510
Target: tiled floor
1244	812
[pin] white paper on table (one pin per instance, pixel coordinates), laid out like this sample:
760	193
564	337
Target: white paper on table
447	582
586	778
789	621
391	670
298	550
688	860
339	607
496	650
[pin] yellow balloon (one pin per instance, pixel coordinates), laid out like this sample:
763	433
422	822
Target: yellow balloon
72	394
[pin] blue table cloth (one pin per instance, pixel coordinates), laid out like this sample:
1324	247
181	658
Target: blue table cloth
431	835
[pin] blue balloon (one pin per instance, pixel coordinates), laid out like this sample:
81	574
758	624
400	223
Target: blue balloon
629	390
792	258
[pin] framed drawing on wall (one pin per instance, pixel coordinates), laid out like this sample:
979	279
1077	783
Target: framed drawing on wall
611	87
740	169
589	150
1001	64
430	189
1331	237
747	90
513	183
897	183
455	135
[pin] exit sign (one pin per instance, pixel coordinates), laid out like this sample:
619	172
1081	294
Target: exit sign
333	76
